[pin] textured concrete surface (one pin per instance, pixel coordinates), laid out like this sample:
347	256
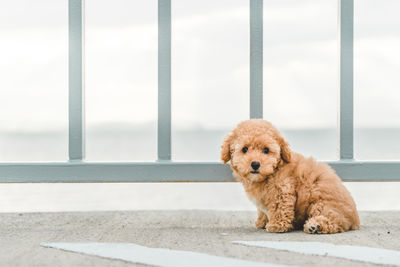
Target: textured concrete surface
203	231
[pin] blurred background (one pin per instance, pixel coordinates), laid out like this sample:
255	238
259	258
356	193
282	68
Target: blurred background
210	93
210	77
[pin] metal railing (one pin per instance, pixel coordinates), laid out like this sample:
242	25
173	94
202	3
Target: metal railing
77	170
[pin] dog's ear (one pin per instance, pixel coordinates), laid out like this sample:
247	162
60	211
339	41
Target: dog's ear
285	150
226	149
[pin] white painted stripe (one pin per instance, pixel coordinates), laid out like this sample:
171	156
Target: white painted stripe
154	256
357	253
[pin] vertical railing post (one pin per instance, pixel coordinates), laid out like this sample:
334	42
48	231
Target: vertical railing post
346	101
75	79
164	80
256	58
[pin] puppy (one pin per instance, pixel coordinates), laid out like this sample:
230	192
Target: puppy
289	190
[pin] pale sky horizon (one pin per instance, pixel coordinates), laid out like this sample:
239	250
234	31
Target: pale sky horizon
210	64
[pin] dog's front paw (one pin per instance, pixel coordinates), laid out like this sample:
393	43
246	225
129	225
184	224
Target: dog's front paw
279	228
260	223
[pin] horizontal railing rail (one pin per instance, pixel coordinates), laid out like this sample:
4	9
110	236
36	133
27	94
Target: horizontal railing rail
165	170
169	171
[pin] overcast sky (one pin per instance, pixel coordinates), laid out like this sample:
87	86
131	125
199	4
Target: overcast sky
210	63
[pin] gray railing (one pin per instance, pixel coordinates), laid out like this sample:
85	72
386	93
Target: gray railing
163	169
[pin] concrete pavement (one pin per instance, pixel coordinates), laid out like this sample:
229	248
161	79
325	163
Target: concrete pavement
202	231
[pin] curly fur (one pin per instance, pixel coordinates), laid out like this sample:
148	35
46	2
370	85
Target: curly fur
289	190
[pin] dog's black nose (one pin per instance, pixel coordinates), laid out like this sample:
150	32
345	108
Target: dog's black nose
255	165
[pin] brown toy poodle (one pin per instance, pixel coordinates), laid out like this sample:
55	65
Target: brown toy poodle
289	190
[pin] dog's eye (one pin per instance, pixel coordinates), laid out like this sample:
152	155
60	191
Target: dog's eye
265	150
244	150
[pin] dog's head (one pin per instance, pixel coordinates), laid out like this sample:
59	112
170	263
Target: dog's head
255	149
